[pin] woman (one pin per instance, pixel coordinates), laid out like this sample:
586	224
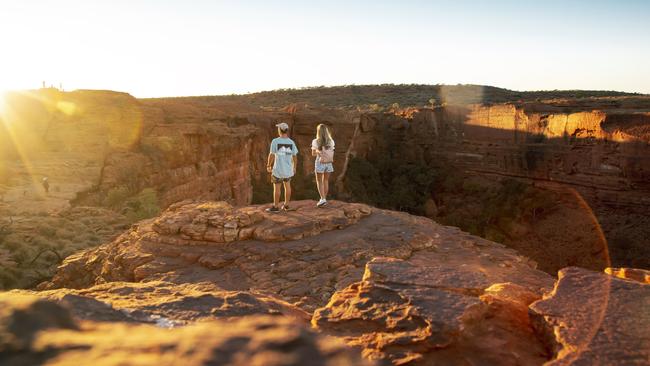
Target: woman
322	147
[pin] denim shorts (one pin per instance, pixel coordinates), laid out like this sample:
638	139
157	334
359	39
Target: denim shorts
323	168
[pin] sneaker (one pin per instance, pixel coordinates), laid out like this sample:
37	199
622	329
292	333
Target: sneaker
286	207
272	209
321	203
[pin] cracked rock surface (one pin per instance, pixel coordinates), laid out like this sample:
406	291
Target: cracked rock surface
426	310
396	288
593	318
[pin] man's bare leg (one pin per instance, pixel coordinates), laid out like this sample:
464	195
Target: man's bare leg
277	188
287	193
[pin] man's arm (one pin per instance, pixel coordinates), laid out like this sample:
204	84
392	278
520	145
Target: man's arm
269	162
295	163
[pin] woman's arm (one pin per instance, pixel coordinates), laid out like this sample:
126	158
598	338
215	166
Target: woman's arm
315	151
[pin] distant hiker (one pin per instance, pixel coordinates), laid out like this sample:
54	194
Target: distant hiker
322	147
281	163
46	185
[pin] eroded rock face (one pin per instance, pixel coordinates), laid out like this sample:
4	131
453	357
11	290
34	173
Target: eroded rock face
237	249
166	303
303	255
36	331
431	310
592	318
400	289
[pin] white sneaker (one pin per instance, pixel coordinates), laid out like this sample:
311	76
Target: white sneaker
321	203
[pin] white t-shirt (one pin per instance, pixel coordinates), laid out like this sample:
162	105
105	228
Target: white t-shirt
314	144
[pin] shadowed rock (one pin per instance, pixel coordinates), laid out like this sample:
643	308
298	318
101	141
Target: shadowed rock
592	318
166	303
34	331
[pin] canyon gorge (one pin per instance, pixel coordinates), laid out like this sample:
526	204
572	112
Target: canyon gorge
472	225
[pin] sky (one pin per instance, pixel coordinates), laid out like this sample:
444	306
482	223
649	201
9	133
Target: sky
154	48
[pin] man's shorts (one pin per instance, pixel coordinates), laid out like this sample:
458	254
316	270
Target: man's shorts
276	180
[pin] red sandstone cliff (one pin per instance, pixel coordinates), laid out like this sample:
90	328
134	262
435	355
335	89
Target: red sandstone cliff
594	152
400	288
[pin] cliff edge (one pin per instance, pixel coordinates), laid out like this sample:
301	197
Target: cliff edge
399	288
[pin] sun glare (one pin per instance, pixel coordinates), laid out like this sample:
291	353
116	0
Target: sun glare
4	107
3	104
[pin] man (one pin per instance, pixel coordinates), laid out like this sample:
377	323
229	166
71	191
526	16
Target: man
281	163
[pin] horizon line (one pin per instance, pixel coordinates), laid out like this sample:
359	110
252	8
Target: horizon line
314	87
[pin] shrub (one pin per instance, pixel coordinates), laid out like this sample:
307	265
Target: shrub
116	197
47	231
144	205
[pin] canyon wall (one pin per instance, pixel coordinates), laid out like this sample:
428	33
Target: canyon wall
96	145
602	153
597	163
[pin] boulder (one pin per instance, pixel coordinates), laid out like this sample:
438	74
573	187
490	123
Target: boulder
427	311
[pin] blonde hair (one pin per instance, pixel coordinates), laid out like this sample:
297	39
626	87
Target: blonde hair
323	137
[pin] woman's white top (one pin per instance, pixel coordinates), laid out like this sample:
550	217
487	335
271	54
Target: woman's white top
314	144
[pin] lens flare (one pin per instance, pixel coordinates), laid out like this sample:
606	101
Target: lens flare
15	135
68	108
3	104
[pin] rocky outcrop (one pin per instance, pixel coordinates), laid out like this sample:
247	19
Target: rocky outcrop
166	304
592	318
428	310
35	331
212	241
400	289
635	274
303	255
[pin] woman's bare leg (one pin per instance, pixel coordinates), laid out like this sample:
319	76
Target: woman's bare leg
326	185
319	184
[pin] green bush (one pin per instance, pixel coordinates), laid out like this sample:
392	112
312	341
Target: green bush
389	183
47	231
144	205
116	197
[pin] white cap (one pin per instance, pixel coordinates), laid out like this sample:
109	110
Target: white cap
283	126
